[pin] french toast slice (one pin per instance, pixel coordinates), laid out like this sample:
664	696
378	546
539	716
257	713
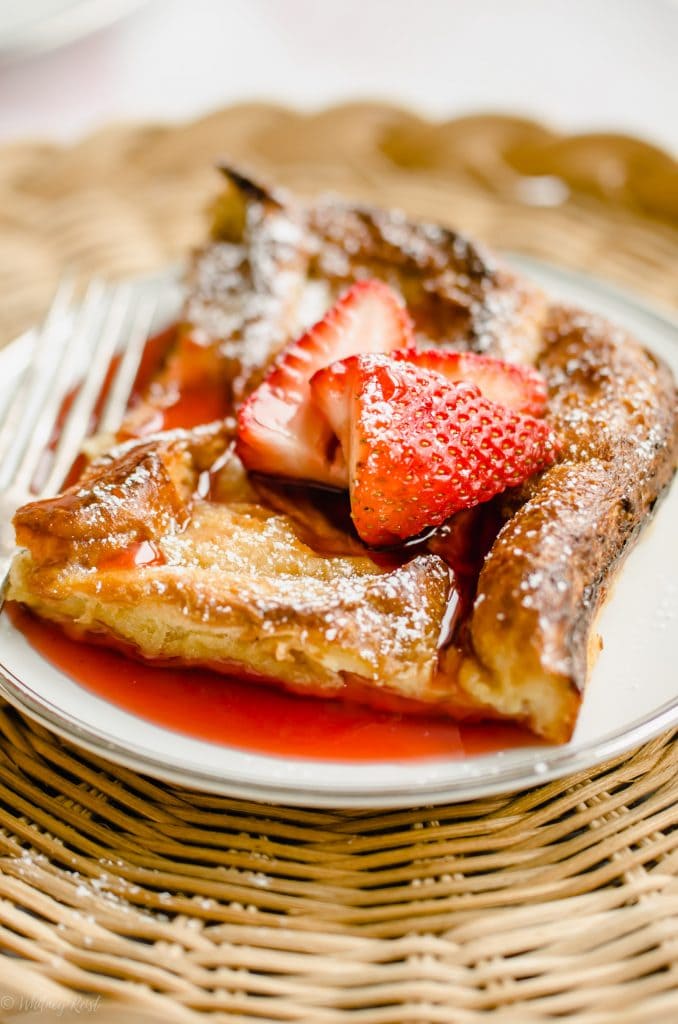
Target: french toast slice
133	554
522	649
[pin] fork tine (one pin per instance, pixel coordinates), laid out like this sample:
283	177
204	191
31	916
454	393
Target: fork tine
77	423
83	327
48	343
123	381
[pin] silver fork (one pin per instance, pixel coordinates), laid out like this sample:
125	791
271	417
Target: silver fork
71	354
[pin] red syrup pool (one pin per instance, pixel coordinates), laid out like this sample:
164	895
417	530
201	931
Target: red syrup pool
255	717
241	713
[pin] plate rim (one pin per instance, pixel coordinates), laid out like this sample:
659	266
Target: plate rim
475	784
482	775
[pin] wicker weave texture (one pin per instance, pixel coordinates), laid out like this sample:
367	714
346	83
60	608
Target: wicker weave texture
128	200
127	899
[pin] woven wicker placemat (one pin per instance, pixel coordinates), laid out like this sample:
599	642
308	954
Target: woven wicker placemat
128	899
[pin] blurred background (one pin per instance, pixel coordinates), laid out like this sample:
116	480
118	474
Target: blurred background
546	127
68	66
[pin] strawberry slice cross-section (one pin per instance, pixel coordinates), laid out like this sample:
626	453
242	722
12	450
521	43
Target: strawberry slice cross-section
419	447
517	387
280	431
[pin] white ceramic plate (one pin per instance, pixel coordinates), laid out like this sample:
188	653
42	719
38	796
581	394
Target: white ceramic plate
632	696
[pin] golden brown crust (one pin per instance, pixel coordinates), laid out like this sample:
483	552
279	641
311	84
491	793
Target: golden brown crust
243	287
457	293
231	585
137	492
614	408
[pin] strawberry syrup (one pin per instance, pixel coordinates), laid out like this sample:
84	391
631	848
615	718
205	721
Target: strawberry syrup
236	712
253	717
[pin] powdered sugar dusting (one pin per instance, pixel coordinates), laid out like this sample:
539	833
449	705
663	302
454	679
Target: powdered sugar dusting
611	406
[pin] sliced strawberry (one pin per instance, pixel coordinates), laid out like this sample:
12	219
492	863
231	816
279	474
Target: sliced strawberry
420	448
517	387
332	394
279	430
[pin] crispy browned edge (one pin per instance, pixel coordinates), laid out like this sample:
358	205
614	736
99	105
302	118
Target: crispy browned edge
553	561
